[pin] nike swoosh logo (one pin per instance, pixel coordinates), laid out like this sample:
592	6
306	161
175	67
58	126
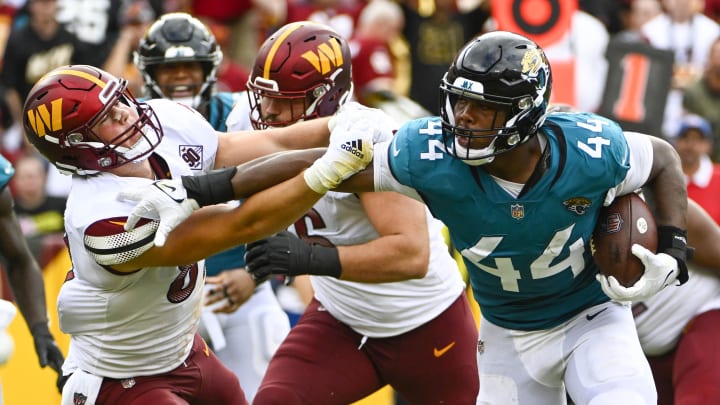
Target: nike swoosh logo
172	189
439	352
590	317
117	223
396	151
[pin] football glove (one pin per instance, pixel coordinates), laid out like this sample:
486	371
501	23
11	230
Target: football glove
48	352
286	254
350	151
661	270
163	199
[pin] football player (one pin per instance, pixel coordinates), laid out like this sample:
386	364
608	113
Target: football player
132	300
389	301
506	177
179	58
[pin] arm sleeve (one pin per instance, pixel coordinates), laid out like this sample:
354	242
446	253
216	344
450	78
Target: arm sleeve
384	178
641	157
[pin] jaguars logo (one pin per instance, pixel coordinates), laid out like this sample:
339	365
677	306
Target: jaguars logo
577	205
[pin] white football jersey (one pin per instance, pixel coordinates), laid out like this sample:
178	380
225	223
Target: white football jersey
380	310
131	324
660	320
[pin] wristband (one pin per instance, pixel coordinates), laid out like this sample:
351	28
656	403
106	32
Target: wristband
673	241
324	261
212	188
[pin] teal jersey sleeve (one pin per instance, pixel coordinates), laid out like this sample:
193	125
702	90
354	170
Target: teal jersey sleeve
6	172
528	257
218	109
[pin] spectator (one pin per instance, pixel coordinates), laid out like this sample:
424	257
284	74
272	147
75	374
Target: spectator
634	14
34	49
340	15
694	142
247	20
434	36
95	23
39	215
376	68
702	97
684	29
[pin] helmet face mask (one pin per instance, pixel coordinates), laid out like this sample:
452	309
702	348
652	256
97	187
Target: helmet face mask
179	38
506	73
65	107
306	68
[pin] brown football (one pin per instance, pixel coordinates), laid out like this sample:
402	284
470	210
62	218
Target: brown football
628	220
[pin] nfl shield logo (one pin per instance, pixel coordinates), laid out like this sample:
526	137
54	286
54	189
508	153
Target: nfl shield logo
517	211
79	399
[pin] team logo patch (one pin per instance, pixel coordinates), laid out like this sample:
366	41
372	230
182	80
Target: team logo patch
192	155
481	347
79	399
517	211
577	205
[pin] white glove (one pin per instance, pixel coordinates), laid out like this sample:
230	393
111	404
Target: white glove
353	113
163	199
350	150
661	270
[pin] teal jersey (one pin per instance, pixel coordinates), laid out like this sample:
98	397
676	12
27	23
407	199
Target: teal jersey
218	108
6	172
528	258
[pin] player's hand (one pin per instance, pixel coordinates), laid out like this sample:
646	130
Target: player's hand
286	254
163	199
353	113
228	290
47	350
350	151
661	270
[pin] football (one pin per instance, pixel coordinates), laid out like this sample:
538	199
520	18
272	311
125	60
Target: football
628	220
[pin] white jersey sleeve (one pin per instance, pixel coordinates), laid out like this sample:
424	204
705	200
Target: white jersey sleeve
384	178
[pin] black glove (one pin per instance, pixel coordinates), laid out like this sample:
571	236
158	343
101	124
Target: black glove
286	254
47	350
673	241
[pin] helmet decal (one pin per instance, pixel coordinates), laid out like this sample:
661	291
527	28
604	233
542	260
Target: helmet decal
41	119
328	57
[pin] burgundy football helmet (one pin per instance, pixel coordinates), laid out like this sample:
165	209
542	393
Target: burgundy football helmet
64	105
302	60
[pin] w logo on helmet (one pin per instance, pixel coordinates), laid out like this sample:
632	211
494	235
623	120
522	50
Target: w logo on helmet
328	56
41	119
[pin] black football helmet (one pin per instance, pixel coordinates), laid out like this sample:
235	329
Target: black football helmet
179	37
302	60
507	72
62	108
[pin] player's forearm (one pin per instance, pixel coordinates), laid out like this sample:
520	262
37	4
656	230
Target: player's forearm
249	178
28	290
384	260
217	228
